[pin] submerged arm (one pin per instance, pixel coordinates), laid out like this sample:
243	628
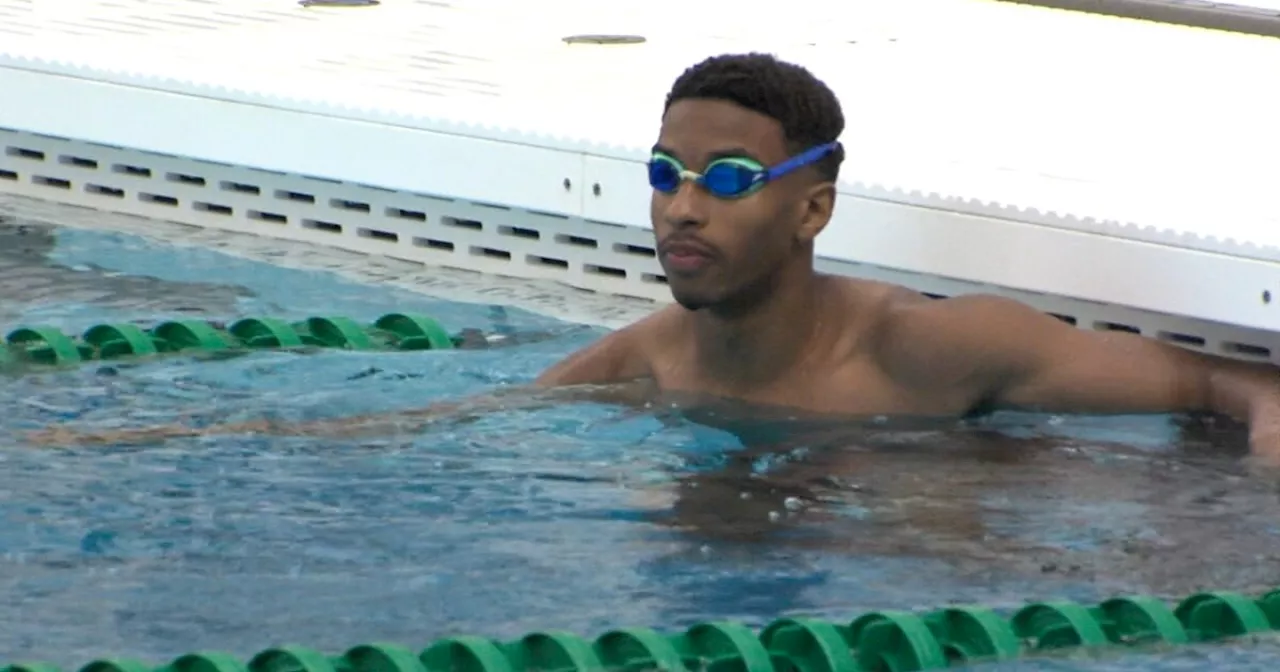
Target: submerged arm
470	408
608	371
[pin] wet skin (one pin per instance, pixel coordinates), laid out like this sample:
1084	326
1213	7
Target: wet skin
754	322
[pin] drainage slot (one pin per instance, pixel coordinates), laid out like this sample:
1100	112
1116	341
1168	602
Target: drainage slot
212	207
1181	339
407	214
78	162
104	190
1246	349
126	169
185	179
24	153
8	175
518	232
934	296
268	217
604	270
389	236
638	250
352	206
653	278
286	195
1116	326
433	244
55	182
158	199
318	225
491	253
1069	319
536	260
576	240
462	223
240	188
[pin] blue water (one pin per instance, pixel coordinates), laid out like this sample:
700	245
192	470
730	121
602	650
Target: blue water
580	516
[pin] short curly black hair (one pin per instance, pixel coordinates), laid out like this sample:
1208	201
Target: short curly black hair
807	109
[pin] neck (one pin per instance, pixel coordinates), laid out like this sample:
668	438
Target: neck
754	340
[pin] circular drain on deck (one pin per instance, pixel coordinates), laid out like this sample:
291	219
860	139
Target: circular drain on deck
604	39
338	3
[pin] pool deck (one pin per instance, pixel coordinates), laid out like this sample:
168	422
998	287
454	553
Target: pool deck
1125	183
1233	17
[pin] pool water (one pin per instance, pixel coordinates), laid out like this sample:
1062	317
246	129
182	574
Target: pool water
579	517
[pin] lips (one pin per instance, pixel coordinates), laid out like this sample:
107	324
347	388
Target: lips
685	246
685	255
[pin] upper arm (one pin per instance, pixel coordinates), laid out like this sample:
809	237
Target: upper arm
1026	359
614	358
1054	365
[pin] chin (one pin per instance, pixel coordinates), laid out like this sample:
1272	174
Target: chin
691	299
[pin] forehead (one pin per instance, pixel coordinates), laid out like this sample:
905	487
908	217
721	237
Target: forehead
699	129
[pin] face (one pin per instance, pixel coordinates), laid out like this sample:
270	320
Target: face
724	251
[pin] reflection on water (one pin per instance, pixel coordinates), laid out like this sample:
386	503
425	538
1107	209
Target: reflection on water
30	281
580	516
1166	520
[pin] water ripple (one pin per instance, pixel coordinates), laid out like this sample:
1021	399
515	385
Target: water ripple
581	517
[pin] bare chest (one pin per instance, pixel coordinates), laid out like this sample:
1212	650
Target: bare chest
856	387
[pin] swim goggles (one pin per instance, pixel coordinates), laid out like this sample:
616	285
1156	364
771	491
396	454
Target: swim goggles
729	177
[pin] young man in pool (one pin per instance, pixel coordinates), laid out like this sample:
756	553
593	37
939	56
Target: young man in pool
754	321
743	176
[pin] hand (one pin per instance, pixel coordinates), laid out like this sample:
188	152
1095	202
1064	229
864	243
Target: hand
1264	447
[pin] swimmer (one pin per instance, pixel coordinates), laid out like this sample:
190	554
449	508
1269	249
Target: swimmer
743	175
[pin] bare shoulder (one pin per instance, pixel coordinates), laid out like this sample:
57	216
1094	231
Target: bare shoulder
874	305
969	321
622	355
868	311
962	337
964	314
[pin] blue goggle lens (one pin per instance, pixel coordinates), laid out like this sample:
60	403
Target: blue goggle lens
732	177
725	178
663	175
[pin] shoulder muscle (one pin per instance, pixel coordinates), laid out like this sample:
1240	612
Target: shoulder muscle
1017	356
961	340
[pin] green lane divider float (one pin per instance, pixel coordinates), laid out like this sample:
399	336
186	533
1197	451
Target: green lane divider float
883	641
394	331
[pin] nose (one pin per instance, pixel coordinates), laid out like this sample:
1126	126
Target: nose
685	208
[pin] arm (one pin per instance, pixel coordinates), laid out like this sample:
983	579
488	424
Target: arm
618	357
580	377
1032	360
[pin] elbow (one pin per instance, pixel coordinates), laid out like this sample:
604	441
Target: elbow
1242	390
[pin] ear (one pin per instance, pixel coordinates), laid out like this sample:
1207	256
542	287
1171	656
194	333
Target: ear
817	204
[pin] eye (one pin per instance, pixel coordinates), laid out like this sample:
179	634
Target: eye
732	177
664	173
